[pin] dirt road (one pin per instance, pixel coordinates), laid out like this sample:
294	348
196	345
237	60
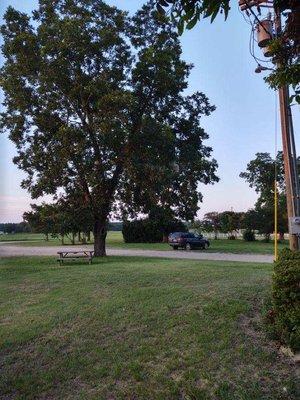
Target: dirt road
8	250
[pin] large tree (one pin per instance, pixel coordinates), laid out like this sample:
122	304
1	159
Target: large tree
261	173
231	222
94	104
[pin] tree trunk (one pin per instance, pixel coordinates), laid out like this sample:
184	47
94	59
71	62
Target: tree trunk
73	238
100	232
88	236
47	237
216	235
79	236
62	239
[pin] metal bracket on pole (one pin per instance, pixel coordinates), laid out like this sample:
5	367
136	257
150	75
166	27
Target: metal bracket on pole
294	225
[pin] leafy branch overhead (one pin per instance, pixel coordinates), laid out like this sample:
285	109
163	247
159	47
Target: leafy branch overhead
285	48
187	13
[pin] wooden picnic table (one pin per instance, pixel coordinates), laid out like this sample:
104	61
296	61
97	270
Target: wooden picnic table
74	255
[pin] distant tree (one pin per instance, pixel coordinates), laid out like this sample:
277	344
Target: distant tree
212	223
41	219
74	216
12	227
260	175
197	226
250	221
265	221
249	235
90	97
115	226
230	222
261	219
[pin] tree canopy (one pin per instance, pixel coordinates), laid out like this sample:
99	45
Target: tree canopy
261	174
94	104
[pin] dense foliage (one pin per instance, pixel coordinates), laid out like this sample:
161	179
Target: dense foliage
90	96
11	227
261	174
188	12
61	219
286	299
150	230
210	223
249	235
229	222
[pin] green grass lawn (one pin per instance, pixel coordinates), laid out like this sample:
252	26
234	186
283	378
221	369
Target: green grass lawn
13	237
137	328
115	239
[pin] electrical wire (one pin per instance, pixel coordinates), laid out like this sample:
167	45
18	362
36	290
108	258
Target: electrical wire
252	39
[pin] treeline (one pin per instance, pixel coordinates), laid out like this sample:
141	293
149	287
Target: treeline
261	174
72	221
64	220
259	220
25	227
11	227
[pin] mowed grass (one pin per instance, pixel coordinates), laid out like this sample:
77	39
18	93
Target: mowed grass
14	237
137	328
115	239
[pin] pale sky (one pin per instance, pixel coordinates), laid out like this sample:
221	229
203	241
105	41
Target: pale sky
242	125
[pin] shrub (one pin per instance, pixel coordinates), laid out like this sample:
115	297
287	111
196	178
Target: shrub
249	236
231	237
286	299
149	231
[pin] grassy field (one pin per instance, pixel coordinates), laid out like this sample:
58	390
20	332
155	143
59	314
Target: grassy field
136	328
14	237
115	239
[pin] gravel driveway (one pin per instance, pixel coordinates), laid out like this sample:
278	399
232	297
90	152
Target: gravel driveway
10	250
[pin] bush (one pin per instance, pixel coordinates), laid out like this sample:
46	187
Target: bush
149	231
249	236
231	237
286	299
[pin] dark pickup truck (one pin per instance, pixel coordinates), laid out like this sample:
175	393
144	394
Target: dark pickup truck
187	241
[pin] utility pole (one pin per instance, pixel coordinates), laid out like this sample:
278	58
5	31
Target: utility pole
288	142
289	157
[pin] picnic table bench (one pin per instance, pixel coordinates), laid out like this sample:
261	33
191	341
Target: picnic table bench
74	255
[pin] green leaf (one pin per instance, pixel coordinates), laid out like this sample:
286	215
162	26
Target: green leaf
192	22
180	26
160	9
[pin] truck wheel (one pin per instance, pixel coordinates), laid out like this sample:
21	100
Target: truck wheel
205	247
188	247
175	247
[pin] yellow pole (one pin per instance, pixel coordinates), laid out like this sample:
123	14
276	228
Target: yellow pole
275	222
